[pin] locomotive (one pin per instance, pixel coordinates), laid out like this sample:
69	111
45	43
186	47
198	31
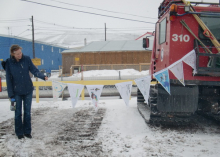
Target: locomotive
183	27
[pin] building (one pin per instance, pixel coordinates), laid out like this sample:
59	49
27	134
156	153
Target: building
50	55
107	55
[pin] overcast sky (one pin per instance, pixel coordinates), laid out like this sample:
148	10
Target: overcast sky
17	9
77	16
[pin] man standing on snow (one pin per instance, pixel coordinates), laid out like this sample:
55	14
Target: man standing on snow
20	87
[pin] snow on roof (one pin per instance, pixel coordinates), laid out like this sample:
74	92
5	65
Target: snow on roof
100	46
30	40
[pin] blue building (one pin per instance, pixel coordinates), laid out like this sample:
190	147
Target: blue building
50	55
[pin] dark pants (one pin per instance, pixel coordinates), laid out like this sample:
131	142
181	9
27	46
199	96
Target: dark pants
24	127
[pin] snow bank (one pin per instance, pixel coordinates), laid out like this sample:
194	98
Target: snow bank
125	74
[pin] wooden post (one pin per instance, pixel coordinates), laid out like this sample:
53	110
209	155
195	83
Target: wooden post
71	70
83	94
37	94
32	19
81	72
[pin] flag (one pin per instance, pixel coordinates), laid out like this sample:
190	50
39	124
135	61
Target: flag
190	59
95	93
177	69
124	89
75	91
58	88
162	76
144	86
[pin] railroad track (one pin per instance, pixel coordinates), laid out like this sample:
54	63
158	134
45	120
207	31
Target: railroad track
68	132
82	126
6	128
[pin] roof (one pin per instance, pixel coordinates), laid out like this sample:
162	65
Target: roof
29	40
146	34
101	46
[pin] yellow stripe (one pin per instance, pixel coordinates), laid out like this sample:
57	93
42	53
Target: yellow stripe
93	82
3	84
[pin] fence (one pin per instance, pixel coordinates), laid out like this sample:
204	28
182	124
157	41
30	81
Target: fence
37	84
139	67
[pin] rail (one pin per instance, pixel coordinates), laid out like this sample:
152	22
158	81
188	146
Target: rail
96	82
110	67
93	82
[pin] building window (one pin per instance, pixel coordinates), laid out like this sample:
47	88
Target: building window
42	47
162	33
52	62
42	62
51	49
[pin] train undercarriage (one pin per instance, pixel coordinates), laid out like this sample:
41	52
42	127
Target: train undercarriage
180	107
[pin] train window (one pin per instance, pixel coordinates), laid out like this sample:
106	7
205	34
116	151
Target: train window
162	31
212	22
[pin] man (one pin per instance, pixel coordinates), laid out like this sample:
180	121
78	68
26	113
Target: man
20	87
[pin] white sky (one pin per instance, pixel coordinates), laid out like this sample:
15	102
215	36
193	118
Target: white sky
17	9
53	18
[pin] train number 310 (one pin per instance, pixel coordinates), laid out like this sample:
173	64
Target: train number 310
181	38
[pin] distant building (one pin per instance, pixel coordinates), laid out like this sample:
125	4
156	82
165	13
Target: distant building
107	55
50	55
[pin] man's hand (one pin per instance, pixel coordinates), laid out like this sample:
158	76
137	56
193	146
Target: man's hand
12	99
46	78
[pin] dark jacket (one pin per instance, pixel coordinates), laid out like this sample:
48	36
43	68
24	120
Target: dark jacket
17	76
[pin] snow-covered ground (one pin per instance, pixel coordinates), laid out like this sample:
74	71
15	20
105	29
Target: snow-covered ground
115	130
122	132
